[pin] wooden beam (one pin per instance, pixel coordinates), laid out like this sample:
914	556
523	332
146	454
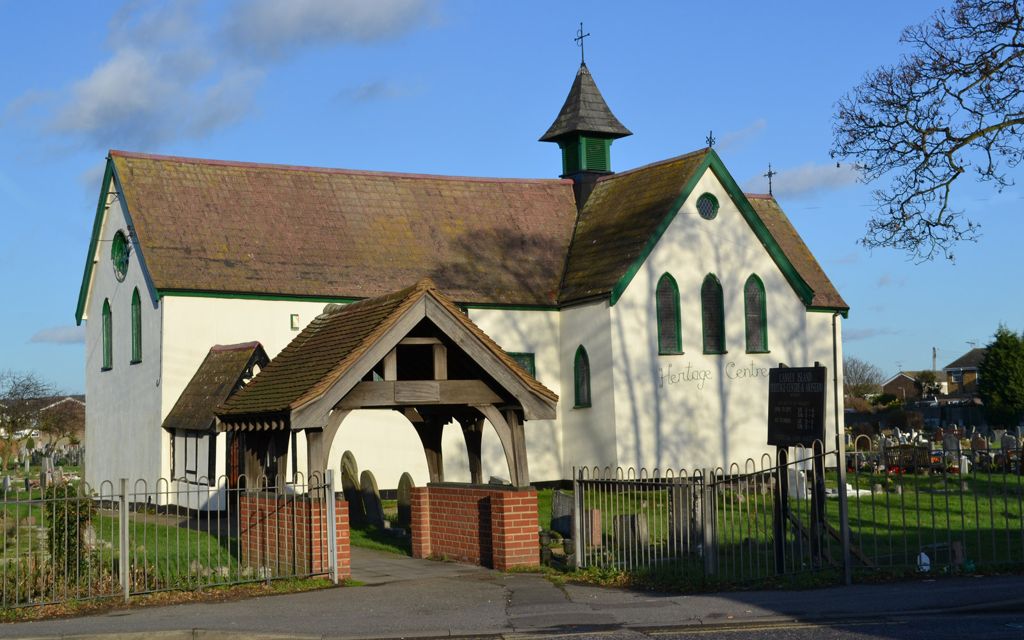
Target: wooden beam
504	431
415	341
430	436
389	394
440	362
391	365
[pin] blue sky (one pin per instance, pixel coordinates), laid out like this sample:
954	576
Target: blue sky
466	88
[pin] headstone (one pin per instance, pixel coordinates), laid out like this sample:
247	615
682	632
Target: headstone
950	442
405	487
1008	442
798	489
562	505
58	475
7	483
591	528
350	487
683	517
28	485
371	499
44	480
630	530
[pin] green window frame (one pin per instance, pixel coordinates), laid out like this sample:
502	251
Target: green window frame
712	305
707	206
526	360
119	252
136	327
581	378
755	308
670	328
108	338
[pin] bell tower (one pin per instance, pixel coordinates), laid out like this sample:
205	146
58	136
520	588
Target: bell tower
584	131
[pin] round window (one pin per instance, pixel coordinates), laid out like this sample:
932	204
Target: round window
707	206
119	255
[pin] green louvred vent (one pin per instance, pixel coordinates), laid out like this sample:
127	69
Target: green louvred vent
596	150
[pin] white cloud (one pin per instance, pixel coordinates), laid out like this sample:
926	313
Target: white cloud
853	335
372	91
732	139
805	180
275	29
65	334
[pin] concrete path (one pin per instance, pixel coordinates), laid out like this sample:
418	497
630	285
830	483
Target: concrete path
414	598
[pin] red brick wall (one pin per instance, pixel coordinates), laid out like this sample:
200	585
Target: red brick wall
288	534
490	526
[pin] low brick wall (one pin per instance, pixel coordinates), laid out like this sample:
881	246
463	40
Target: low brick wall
482	524
287	535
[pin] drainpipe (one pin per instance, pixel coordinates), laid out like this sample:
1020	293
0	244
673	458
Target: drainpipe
844	512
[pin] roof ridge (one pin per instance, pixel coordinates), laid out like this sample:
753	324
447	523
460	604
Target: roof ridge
649	165
238	346
331	170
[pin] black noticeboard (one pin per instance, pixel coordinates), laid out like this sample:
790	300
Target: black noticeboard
796	406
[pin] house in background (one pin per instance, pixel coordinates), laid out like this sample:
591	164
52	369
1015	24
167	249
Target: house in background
650	302
962	373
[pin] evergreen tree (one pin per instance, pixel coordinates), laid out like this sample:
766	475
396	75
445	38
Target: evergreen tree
1001	379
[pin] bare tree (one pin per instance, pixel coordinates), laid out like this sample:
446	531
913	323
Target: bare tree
954	105
21	397
860	378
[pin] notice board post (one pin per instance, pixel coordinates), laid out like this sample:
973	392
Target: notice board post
796	417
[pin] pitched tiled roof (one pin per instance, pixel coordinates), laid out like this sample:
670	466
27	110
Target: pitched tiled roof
970	360
269	229
619	218
585	111
781	229
220	374
328	347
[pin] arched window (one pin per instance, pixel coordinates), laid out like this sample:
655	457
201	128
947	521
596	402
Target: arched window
581	371
756	312
713	314
670	335
108	337
136	327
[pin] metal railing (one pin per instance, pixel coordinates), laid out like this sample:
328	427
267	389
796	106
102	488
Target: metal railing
72	542
709	524
909	512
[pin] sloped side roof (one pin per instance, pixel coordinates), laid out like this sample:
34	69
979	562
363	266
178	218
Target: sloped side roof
970	360
585	111
328	347
219	375
825	294
620	217
233	227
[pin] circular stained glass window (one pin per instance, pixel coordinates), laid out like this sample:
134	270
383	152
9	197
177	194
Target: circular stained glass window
707	206
119	254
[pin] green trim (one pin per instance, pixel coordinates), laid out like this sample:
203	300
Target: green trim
756	280
584	359
713	162
510	307
667	277
136	327
108	337
843	312
712	279
97	226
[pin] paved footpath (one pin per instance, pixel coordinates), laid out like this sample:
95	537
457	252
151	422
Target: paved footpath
405	598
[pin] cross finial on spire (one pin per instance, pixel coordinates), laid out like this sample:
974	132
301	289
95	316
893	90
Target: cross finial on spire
771	174
579	41
710	139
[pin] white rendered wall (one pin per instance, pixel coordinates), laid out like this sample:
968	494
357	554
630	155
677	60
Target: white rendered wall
588	433
123	437
519	331
706	410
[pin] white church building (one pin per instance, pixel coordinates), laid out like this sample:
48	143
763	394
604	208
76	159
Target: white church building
650	303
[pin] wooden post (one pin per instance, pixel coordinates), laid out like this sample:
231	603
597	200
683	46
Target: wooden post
818	501
473	431
430	435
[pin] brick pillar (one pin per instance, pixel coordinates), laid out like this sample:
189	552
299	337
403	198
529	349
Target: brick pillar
514	529
344	538
420	522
